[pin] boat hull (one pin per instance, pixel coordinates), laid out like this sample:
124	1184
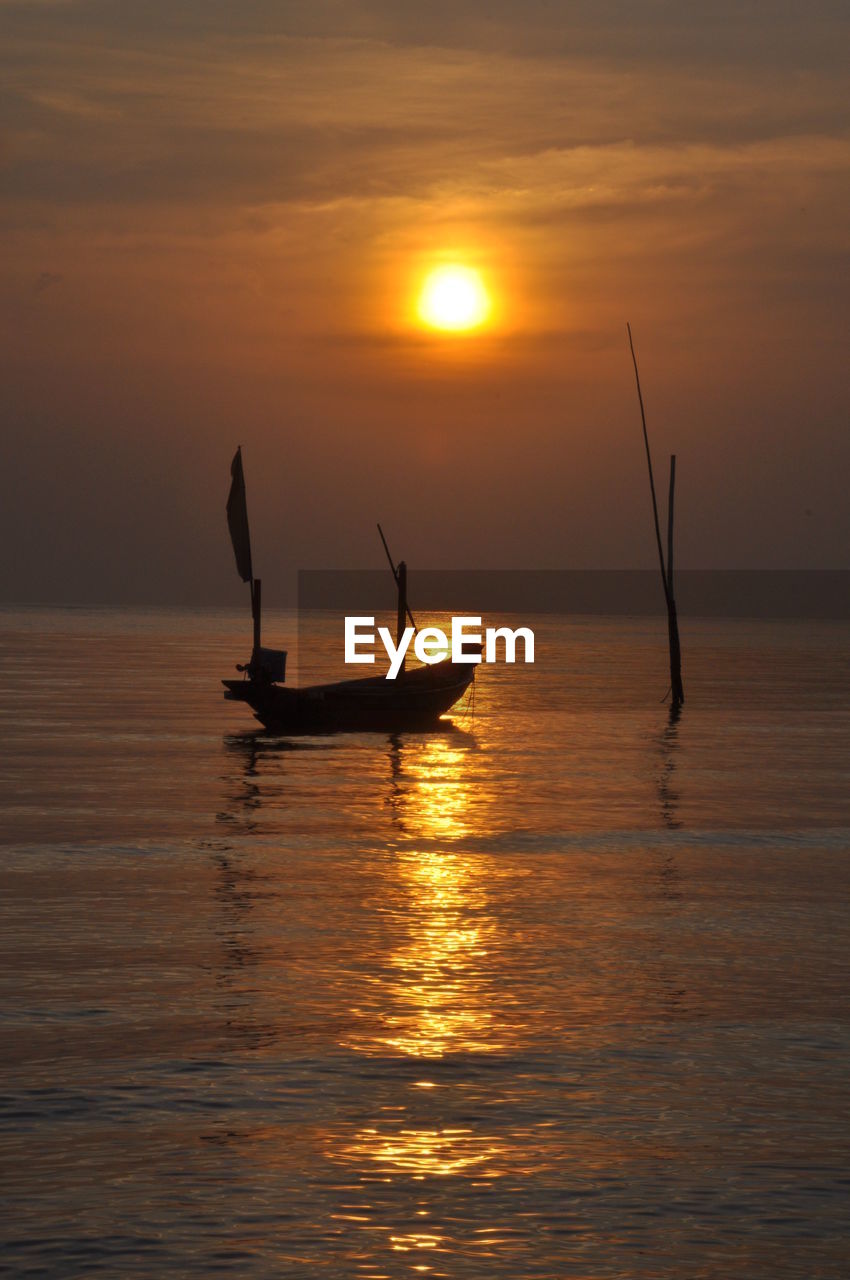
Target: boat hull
416	699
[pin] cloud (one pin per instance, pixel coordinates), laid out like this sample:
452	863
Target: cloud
735	33
295	119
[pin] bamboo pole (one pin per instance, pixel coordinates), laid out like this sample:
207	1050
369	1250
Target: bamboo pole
670	498
676	687
649	466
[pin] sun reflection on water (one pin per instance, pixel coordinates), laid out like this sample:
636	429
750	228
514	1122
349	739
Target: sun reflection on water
433	993
439	1001
432	795
420	1152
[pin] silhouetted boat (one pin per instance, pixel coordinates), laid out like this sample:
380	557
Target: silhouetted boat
416	699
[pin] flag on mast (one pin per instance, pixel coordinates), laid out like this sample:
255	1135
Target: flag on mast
237	519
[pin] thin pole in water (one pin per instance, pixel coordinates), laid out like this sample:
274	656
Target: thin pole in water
676	686
670	497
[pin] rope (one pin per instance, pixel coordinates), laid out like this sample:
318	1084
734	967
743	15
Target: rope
470	703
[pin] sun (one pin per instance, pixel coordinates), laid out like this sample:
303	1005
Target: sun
454	299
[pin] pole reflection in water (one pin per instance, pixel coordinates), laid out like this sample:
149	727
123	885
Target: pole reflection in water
430	792
667	792
245	889
668	795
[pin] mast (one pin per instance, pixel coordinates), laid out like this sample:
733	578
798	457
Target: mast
395	574
256	610
403	613
401	617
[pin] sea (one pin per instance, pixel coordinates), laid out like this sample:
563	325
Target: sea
557	990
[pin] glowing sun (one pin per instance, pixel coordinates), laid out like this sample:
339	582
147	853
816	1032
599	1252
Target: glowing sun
453	298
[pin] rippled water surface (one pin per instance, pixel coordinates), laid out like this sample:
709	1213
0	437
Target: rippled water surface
561	992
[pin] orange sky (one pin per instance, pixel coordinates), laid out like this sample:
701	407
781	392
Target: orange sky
214	222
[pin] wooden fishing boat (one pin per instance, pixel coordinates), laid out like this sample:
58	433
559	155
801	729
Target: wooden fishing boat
415	699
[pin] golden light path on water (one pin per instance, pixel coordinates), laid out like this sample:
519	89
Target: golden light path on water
437	999
435	996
